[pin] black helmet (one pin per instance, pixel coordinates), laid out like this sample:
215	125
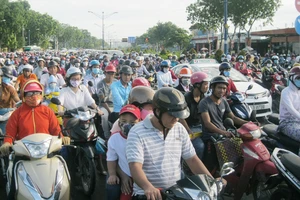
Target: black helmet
121	62
147	59
52	63
127	62
218	79
7	71
269	61
126	70
171	100
225	60
223	66
134	64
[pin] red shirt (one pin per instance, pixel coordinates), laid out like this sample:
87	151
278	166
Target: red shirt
27	120
241	67
231	87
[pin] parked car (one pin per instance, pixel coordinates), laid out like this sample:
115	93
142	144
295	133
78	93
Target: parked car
259	98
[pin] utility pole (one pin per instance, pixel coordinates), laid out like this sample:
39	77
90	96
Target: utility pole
225	27
103	31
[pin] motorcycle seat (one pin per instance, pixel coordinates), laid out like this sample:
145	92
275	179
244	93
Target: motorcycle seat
289	142
274	118
292	163
271	130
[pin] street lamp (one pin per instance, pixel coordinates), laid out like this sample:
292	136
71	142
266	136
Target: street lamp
103	17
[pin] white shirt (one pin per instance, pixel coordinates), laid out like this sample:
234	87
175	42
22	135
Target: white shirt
70	100
117	151
289	103
164	78
44	80
95	80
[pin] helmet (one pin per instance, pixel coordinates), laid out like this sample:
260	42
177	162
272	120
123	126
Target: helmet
52	79
138	58
126	70
218	79
134	64
73	71
110	68
27	66
223	56
295	71
72	57
25	58
269	61
94	62
77	60
127	62
7	71
275	57
164	63
240	57
41	59
56	59
170	100
228	57
223	66
185	72
140	95
121	62
225	60
147	59
131	109
85	59
199	77
31	86
52	64
140	81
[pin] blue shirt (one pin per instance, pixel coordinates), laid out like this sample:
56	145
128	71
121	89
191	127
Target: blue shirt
120	94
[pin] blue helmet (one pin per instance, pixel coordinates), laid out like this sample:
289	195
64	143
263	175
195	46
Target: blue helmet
164	63
94	62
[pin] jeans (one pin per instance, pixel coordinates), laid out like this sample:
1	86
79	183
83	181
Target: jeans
199	147
112	192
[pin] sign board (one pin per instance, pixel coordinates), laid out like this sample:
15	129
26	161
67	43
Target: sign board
297	25
131	39
124	40
297	5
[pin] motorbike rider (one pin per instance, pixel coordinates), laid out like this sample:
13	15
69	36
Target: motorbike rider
84	63
213	110
120	91
24	62
26	75
105	97
53	68
224	69
267	72
116	156
200	82
184	85
141	69
256	63
150	68
31	117
289	106
174	61
164	77
9	95
38	71
150	136
241	65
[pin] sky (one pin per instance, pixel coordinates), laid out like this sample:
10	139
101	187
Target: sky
134	17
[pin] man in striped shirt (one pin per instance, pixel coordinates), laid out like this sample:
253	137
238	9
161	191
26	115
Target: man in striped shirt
155	146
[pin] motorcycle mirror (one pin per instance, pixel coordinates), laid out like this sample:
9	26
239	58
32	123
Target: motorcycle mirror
55	101
250	87
90	83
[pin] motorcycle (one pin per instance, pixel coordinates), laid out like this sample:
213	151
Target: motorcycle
81	128
199	186
287	182
53	106
43	174
276	89
255	167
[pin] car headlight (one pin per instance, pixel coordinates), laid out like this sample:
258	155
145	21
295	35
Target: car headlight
37	150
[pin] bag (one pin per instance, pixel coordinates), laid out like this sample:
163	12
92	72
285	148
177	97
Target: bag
100	146
228	150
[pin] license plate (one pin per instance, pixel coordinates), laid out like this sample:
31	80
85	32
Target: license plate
258	107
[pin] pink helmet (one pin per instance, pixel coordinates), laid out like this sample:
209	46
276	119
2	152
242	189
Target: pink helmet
199	77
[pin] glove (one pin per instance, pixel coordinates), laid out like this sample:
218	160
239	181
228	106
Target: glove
66	140
4	149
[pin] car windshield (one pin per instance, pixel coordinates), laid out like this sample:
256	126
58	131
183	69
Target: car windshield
214	71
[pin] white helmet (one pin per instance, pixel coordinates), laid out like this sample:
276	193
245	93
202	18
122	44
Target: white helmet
27	66
72	71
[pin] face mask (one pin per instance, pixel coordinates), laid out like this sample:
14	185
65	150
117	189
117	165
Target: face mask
269	65
227	73
275	61
241	61
62	62
166	70
186	82
6	80
52	85
105	63
33	101
297	83
95	70
67	62
125	128
75	84
144	113
77	64
85	64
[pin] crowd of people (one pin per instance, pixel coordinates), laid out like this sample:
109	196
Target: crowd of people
148	132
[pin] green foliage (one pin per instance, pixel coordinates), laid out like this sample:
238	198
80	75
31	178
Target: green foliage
243	53
218	55
192	51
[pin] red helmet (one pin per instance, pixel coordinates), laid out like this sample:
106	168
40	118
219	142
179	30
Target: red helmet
129	108
140	81
185	72
199	77
110	68
25	58
33	86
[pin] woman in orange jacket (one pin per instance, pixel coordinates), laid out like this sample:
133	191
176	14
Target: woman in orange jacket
31	117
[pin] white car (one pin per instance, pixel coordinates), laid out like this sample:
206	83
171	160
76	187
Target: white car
259	98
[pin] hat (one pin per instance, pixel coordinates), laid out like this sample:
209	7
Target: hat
129	108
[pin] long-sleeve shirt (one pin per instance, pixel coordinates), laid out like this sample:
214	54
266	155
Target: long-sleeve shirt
27	120
164	79
142	70
289	103
120	94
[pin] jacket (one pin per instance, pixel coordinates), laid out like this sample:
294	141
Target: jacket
27	120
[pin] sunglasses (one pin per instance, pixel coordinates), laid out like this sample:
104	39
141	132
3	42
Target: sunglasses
30	94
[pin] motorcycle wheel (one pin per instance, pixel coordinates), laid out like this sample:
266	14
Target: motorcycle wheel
88	174
282	193
260	192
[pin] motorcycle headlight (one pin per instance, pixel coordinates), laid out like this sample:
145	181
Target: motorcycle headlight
37	150
256	134
203	196
278	78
